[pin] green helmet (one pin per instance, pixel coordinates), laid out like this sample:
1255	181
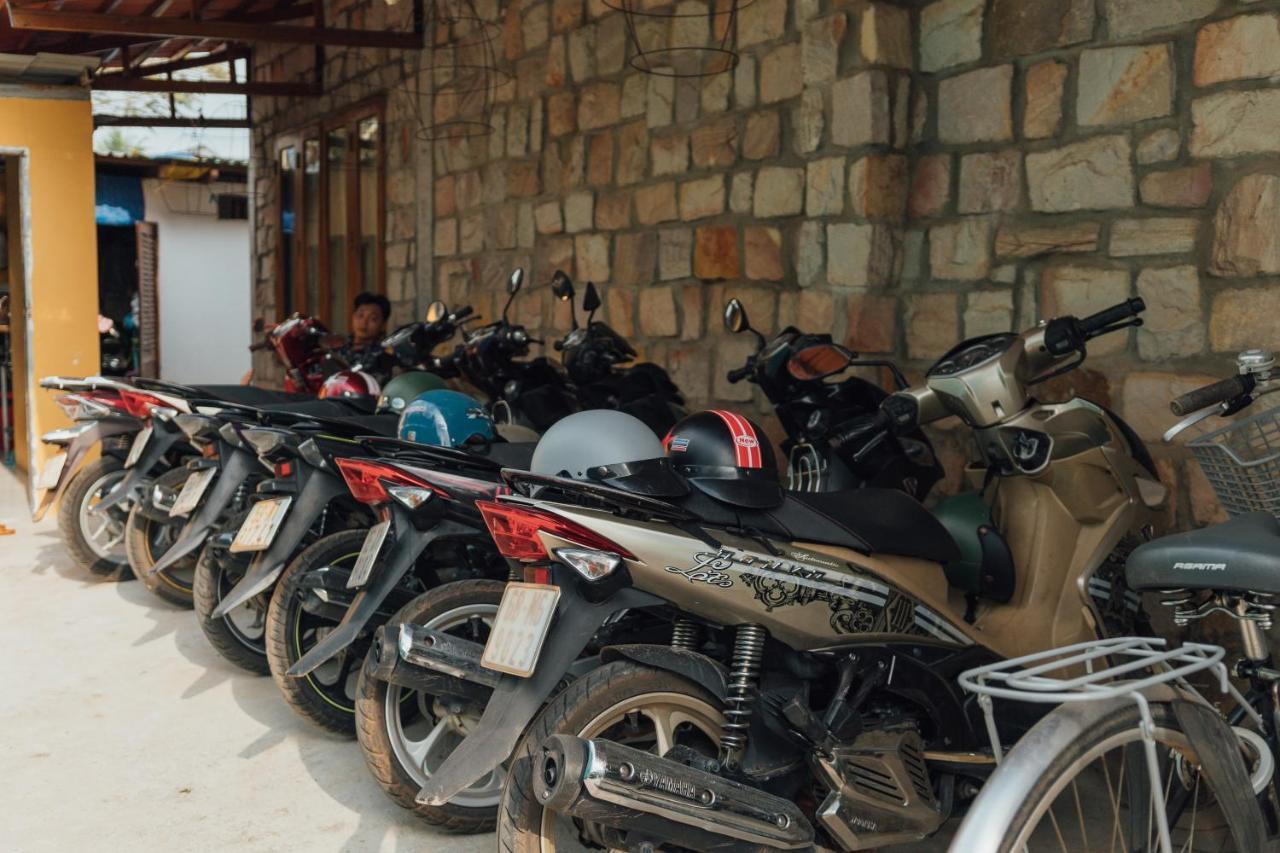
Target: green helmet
397	393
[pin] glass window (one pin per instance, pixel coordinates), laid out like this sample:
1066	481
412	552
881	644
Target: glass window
311	222
369	207
288	176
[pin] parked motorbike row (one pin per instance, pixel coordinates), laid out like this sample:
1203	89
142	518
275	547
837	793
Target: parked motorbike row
535	614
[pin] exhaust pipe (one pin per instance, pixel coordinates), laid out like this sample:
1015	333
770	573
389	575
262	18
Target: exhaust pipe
385	663
633	791
444	653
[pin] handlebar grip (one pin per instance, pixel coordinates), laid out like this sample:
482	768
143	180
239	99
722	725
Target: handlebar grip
461	313
1218	392
738	374
1115	314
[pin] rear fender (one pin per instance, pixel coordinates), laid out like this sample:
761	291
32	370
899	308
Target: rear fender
90	434
384	578
163	437
696	667
317	490
236	467
516	700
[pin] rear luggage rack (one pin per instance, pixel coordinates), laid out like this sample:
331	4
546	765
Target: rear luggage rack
588	494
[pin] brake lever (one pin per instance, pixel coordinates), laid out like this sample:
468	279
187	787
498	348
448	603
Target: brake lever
1191	420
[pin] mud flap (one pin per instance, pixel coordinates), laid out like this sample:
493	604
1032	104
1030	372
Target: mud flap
234	471
516	700
163	437
318	489
95	432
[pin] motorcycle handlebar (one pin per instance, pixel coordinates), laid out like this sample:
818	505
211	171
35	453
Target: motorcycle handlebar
1218	392
738	373
462	313
1098	323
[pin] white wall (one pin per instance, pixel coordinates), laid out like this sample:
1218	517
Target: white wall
205	283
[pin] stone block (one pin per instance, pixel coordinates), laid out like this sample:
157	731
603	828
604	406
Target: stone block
741	192
446	237
1246	240
1081	291
536	26
779	192
807	121
715	144
656	203
660	103
1091	175
1144	402
562	113
600	159
635	95
692	313
1173	325
878	186
860	109
975	106
613	210
1043	115
446	200
658	312
1230	124
885	35
702	198
744	82
611	45
824	190
1029	240
1189	186
633	153
566	15
1244	47
730	354
579	211
1163	236
1121	85
933	324
715	253
859	255
591	254
780	74
988	312
675	252
1159	146
763	249
930	186
1244	319
547	219
715	94
635	258
620	308
820	49
761	21
471	233
1024	27
990	181
872	325
763	136
1127	18
669	153
599	106
950	34
810	253
961	250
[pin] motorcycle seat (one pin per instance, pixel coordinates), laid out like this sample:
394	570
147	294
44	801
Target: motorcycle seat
1240	554
512	454
248	395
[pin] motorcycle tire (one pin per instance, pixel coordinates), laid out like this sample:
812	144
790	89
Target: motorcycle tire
85	486
387	720
324	697
217	572
617	688
145	541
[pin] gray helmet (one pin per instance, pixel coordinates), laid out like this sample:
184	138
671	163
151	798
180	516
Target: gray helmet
611	448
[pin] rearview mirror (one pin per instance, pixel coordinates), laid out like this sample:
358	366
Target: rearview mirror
562	286
735	317
517	279
591	301
818	362
436	311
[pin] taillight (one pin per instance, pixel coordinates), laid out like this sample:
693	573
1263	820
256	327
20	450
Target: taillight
284	469
368	481
88	405
515	529
139	404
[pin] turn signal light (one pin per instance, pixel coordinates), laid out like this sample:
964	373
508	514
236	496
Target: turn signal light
368	480
517	529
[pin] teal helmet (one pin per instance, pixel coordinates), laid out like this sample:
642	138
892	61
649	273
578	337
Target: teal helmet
397	393
446	418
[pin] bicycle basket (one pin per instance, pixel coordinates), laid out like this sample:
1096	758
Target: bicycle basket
1242	463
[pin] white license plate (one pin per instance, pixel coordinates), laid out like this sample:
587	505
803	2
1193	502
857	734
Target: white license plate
519	629
192	491
52	471
139	443
368	554
260	526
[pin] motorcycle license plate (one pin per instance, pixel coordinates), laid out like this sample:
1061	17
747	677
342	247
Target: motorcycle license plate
368	554
192	491
260	526
523	620
139	444
51	472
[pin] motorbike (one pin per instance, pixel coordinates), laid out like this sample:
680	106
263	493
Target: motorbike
808	685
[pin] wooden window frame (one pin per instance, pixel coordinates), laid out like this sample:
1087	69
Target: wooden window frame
350	119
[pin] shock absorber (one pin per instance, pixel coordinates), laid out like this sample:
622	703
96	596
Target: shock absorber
685	635
748	650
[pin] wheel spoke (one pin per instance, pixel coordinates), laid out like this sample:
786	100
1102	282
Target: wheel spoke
664	728
430	752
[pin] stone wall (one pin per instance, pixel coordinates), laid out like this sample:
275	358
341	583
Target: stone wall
902	175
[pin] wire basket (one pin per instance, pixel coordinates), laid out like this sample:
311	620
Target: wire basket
1242	463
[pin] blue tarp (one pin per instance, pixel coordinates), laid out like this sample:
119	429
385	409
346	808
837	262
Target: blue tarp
118	199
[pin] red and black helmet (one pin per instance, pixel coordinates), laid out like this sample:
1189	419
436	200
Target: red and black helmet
350	383
726	456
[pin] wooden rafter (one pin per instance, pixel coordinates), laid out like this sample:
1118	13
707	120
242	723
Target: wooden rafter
167	121
215	58
90	22
123	83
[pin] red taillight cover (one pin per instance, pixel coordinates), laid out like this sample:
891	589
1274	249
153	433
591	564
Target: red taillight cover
365	479
139	404
515	530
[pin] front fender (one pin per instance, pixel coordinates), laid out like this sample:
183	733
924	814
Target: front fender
91	433
516	700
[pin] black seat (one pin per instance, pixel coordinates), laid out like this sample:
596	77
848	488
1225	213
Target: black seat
1240	554
870	521
511	454
249	395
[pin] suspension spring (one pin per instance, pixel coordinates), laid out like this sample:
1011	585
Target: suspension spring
748	651
685	635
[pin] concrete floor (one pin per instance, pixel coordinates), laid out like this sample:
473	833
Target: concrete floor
120	729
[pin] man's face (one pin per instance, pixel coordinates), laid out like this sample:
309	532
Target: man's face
368	324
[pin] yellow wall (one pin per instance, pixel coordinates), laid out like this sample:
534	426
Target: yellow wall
56	137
